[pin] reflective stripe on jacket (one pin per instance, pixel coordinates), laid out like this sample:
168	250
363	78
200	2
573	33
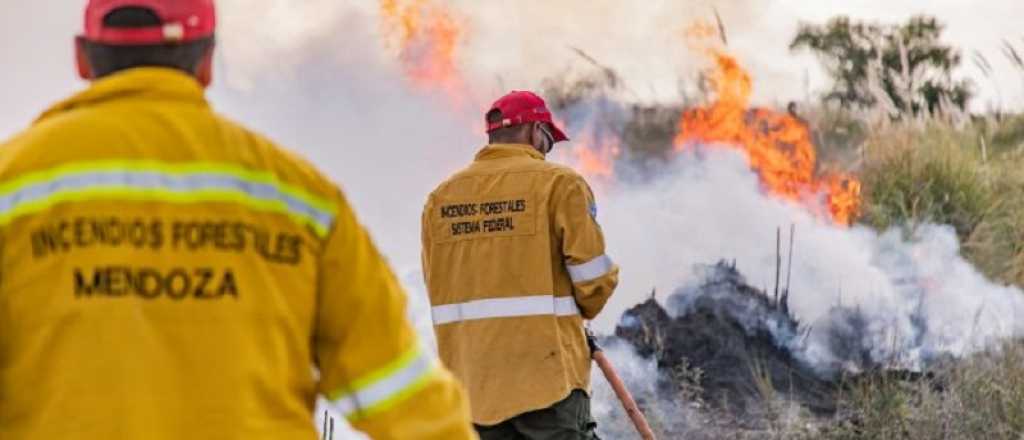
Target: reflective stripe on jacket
514	261
167	274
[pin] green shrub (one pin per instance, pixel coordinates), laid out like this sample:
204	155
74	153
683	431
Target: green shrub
924	176
947	175
1008	134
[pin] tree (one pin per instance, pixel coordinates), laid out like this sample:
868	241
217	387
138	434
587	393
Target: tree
902	69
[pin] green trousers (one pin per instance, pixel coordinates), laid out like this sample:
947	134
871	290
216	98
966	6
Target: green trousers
569	419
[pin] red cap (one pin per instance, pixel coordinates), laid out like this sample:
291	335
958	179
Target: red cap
522	107
181	21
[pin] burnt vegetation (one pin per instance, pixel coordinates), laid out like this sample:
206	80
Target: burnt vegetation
748	347
729	356
735	335
729	363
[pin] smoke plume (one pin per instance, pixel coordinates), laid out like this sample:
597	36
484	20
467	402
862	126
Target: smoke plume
918	298
317	76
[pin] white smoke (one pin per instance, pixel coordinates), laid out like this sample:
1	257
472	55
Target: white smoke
315	76
920	298
342	103
639	376
642	41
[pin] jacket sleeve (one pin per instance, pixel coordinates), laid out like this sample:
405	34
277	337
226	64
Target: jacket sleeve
373	369
594	275
425	243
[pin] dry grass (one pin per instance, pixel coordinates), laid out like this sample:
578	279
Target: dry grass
968	177
965	172
979	398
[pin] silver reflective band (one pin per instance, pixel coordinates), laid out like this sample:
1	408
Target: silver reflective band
590	270
157	184
383	393
505	308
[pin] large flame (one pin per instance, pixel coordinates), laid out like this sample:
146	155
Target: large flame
593	152
594	157
778	144
427	37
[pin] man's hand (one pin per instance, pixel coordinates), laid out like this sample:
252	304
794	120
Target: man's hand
592	341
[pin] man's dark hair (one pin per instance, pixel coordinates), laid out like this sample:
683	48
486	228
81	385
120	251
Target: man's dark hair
106	59
505	135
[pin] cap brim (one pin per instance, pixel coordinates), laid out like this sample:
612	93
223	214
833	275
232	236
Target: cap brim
558	134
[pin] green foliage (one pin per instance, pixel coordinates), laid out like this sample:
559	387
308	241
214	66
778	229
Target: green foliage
1009	134
904	69
924	176
967	177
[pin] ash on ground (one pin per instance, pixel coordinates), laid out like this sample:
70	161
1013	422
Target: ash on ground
730	341
725	348
735	336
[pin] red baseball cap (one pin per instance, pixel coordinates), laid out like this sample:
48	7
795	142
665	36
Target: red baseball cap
519	107
182	21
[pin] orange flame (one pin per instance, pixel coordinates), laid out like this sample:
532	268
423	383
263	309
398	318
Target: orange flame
596	161
427	37
594	157
778	145
592	154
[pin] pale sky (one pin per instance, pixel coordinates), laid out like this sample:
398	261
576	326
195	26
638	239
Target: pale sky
527	42
640	39
314	75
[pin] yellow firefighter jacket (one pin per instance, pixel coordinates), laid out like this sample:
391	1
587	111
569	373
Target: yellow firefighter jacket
514	262
167	274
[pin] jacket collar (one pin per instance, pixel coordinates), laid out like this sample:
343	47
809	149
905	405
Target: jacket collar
143	82
501	151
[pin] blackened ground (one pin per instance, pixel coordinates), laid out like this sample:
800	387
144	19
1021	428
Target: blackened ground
736	336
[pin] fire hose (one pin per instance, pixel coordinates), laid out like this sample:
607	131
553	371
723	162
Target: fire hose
628	404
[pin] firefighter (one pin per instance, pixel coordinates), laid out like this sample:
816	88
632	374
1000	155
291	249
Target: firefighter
169	274
514	262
